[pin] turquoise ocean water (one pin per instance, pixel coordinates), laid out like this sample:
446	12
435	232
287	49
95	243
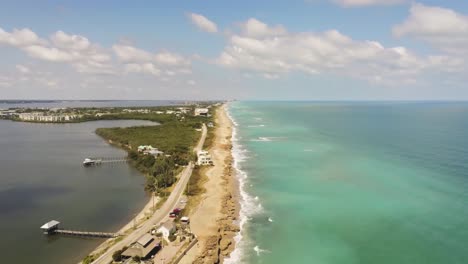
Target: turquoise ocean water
346	183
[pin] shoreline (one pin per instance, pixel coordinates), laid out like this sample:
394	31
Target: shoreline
220	226
215	220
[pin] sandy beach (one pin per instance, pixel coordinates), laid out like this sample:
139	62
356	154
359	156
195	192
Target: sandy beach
214	219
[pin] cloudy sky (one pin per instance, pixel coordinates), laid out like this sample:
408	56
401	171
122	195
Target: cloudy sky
211	49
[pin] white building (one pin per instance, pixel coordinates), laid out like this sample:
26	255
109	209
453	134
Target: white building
201	111
184	110
204	158
149	150
167	229
40	117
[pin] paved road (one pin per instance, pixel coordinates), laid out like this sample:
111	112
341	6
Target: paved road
161	214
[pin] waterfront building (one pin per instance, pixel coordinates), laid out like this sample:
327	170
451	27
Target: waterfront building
149	150
204	158
167	229
145	246
40	117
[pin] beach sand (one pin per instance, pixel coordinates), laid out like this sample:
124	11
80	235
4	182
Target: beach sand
214	220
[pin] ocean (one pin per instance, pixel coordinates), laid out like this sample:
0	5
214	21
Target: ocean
352	182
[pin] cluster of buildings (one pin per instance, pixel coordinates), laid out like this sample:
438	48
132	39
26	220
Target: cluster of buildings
142	111
41	117
7	113
149	244
204	158
149	150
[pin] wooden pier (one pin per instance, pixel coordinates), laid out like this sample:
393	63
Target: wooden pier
101	160
52	227
85	233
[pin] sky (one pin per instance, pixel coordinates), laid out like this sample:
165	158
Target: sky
255	50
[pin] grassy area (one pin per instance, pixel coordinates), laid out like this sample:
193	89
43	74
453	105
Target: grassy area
195	189
175	137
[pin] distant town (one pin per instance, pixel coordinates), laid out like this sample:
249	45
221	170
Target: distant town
74	115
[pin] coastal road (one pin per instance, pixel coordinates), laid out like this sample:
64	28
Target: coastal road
161	214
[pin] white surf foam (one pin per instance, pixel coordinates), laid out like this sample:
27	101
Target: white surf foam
249	205
259	250
268	139
261	125
270	219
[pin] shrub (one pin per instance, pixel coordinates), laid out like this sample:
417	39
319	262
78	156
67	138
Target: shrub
89	259
117	256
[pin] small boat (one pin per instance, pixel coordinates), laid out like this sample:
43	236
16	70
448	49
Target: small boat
90	162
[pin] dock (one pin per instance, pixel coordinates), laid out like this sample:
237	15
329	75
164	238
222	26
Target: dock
100	160
52	228
85	233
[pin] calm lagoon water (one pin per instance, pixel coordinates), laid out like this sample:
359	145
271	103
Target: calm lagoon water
42	178
349	183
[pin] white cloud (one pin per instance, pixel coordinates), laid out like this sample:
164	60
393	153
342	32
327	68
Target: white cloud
127	53
203	23
76	50
49	54
87	57
443	28
20	38
23	69
171	59
157	64
356	3
5	81
273	51
256	28
70	42
148	68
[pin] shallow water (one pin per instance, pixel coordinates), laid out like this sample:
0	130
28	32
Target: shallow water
353	182
42	178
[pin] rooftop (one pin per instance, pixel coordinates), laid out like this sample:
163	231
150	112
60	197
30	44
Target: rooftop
145	239
137	250
50	224
169	225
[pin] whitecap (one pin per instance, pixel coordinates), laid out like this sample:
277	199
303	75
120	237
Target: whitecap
268	139
270	219
259	250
